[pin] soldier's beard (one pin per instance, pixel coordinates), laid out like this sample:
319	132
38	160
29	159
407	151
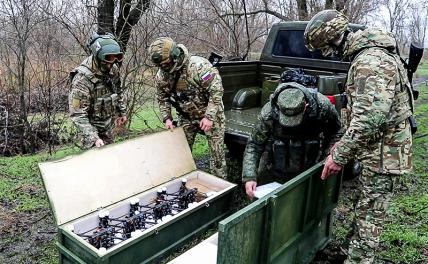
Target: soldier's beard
106	67
102	66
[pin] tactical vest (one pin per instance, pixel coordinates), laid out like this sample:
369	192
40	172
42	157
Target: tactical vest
296	149
103	96
188	97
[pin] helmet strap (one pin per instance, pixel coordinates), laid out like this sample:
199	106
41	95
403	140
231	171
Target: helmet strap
178	60
340	44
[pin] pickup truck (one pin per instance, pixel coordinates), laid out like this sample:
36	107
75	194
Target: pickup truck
248	84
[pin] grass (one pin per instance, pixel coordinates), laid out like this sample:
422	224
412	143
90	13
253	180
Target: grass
149	119
422	69
405	238
20	184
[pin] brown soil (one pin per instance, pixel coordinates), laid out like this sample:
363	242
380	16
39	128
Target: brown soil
24	236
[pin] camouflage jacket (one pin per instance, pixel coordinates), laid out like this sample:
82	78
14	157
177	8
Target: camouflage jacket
378	132
94	101
321	118
198	91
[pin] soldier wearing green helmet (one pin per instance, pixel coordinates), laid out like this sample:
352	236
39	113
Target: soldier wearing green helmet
193	87
378	133
95	102
297	127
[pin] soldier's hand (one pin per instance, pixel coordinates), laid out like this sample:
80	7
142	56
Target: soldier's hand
99	143
169	124
330	168
250	187
206	124
120	121
333	147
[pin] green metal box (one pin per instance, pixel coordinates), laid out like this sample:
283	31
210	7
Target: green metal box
269	86
106	179
329	84
289	225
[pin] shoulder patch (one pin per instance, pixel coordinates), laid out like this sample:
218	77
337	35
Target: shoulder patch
208	76
75	103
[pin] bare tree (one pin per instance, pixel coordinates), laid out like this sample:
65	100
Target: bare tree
397	16
302	9
20	19
357	10
418	22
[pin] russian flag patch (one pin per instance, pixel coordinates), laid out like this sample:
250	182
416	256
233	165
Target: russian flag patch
207	76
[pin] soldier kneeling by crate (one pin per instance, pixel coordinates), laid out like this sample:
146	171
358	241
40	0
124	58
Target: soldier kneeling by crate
297	127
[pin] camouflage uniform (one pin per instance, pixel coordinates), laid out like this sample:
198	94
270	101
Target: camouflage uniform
378	132
320	126
197	94
94	102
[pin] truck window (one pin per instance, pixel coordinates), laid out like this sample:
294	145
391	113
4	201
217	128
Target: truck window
290	43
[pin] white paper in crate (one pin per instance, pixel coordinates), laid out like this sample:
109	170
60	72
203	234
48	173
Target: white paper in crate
262	190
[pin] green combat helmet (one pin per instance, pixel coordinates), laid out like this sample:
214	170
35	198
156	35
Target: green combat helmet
105	48
164	53
324	29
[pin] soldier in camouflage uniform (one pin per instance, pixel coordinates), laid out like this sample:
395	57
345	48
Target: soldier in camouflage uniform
299	126
378	132
95	101
193	87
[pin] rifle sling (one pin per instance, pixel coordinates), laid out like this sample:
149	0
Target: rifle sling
175	102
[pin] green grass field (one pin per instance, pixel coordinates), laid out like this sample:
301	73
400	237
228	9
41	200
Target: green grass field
422	69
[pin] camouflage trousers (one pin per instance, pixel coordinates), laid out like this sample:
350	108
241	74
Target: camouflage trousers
375	192
215	138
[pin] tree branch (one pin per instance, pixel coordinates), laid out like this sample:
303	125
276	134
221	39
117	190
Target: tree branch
129	18
255	12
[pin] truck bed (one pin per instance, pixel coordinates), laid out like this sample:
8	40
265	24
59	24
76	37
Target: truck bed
242	121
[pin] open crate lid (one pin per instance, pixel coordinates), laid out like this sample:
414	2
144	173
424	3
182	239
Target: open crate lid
78	185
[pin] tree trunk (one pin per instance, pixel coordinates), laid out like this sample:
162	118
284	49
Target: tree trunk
329	4
105	16
127	18
340	5
302	9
